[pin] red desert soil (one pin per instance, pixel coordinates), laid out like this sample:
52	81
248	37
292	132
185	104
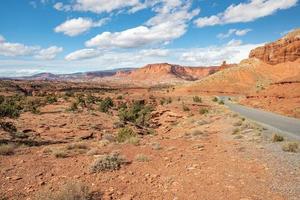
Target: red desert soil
190	156
282	97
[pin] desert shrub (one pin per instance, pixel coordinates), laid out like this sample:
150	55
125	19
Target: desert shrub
73	107
60	153
137	113
203	111
197	99
107	163
156	146
106	104
7	149
221	102
141	158
277	138
185	108
290	147
133	140
120	97
33	106
2	99
215	99
76	146
8	127
124	134
122	105
11	107
69	191
51	99
162	101
169	100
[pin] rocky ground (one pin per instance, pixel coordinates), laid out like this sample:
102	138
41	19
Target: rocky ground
194	150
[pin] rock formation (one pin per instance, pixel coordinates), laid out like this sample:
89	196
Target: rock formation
282	50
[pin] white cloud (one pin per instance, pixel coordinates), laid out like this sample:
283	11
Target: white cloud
100	6
2	39
237	32
155	52
77	26
49	53
246	12
18	49
216	55
234	42
61	7
170	22
83	54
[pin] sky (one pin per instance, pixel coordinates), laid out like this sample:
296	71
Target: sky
67	36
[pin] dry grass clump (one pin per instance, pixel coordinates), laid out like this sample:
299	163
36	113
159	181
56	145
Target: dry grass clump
69	191
7	149
133	140
156	146
77	146
141	158
108	162
277	138
124	134
290	147
60	153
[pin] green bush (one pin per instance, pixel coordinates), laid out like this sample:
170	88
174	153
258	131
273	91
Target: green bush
124	134
106	104
215	99
51	99
197	99
203	111
137	113
10	108
221	102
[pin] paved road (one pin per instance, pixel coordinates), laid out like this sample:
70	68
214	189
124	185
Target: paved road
286	125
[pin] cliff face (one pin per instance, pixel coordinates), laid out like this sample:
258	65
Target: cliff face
283	50
168	71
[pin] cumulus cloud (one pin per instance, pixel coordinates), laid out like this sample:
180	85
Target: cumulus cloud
170	22
18	49
83	54
230	32
155	52
216	55
2	39
100	6
77	26
49	53
246	12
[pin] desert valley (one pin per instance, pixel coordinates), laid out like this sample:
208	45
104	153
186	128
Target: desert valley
159	132
149	100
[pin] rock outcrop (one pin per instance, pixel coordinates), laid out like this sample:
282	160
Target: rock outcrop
169	71
283	50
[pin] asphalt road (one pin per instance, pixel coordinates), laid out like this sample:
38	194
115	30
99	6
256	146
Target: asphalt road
286	125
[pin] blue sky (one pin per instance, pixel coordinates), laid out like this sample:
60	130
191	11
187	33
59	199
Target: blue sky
65	36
